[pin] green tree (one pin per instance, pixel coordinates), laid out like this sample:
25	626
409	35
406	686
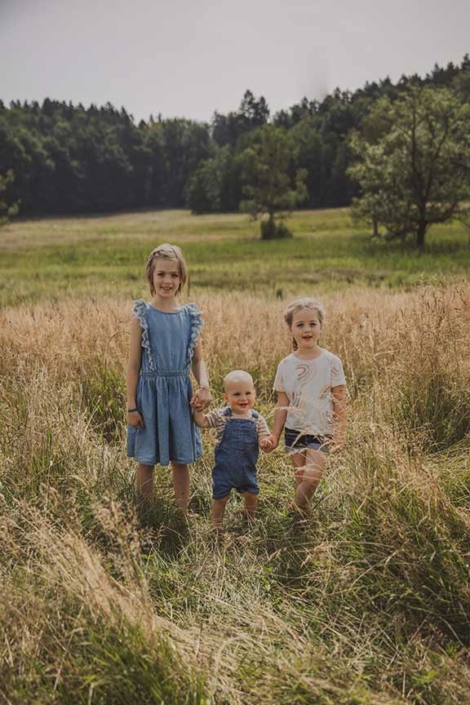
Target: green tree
7	208
271	183
215	185
252	113
414	166
184	144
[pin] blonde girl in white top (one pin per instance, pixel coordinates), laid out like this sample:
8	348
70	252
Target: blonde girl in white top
310	387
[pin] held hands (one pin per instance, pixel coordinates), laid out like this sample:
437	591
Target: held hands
269	443
201	399
135	420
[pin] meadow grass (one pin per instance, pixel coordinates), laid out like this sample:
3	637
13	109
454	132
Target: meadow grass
51	257
102	602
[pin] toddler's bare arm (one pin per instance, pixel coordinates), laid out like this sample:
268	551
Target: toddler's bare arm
200	419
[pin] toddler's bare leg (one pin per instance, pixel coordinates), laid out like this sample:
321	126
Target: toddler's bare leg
251	501
311	474
144	482
181	484
217	513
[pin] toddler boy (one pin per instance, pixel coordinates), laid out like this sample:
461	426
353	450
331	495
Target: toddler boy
241	431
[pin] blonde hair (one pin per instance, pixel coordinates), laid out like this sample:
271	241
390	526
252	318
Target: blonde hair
298	305
166	251
238	376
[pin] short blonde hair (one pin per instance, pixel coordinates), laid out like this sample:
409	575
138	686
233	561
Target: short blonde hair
238	376
298	305
166	251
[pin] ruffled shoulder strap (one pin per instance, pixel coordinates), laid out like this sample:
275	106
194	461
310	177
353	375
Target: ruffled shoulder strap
196	325
140	311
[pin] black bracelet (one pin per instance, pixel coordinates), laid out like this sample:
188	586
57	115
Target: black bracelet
131	411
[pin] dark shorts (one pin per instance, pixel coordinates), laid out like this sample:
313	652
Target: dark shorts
296	441
223	482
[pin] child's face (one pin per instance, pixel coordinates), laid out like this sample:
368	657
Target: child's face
306	328
166	277
240	396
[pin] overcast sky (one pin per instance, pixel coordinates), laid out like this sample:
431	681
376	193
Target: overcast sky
189	58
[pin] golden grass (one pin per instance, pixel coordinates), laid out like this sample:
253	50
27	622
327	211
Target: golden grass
370	605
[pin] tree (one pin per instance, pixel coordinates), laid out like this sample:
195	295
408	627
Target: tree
270	182
414	168
252	113
310	146
7	209
215	185
184	144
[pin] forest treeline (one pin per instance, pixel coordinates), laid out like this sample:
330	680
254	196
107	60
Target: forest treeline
62	158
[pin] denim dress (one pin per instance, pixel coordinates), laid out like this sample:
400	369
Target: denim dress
164	388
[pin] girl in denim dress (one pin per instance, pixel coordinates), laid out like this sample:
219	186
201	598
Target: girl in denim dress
164	349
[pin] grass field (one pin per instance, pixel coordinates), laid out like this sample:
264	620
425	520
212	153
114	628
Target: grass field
47	258
101	603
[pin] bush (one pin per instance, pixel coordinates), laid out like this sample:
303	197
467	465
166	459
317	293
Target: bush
272	230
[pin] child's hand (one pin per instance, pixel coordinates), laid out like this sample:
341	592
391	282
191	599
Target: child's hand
266	445
269	443
198	417
201	399
135	419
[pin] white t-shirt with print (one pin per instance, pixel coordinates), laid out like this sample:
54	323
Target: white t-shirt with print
307	384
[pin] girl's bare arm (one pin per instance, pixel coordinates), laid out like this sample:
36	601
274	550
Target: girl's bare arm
280	413
202	398
133	371
339	414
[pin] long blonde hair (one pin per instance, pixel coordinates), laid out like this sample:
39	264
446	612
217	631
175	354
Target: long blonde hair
166	251
298	305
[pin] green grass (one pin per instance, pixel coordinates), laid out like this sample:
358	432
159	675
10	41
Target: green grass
48	258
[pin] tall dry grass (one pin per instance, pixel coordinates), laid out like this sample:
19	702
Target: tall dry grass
102	604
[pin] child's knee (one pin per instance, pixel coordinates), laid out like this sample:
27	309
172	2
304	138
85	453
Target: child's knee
250	497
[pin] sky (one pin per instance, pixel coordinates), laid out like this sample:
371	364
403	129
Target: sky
189	58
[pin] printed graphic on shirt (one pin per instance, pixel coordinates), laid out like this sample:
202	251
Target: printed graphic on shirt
305	373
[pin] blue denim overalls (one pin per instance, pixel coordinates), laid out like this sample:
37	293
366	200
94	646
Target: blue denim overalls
236	456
